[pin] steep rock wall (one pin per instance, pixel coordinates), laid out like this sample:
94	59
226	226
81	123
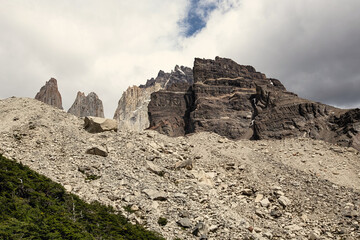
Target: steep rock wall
132	110
238	102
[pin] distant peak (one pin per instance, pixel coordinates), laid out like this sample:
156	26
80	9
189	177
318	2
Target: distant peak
49	94
89	105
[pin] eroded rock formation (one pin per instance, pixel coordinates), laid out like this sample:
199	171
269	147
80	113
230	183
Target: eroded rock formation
132	110
169	110
89	105
238	102
50	94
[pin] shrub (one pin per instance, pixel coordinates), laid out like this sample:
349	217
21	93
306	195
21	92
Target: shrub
162	221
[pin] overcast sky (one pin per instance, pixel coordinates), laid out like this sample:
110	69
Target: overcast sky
311	46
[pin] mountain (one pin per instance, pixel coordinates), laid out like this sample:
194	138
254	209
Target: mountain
198	185
89	105
238	102
50	94
132	110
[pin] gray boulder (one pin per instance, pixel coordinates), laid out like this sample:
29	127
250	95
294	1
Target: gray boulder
99	151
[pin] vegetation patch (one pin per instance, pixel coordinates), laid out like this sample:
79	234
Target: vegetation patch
162	221
34	207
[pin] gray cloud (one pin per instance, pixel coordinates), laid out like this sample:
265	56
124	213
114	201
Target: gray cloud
313	47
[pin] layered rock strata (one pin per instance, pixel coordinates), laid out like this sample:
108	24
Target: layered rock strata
238	102
49	94
169	110
89	105
132	110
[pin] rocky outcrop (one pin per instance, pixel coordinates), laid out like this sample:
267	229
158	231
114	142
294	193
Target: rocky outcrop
290	116
169	110
223	92
50	94
238	102
347	128
132	110
89	105
218	101
98	125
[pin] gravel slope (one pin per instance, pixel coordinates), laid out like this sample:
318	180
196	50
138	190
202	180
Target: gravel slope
286	189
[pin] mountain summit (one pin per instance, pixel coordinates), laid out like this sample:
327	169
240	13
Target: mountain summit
89	105
50	94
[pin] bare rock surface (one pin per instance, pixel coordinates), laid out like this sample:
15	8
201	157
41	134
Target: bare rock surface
179	75
132	110
49	94
99	151
98	125
168	110
312	187
89	105
238	102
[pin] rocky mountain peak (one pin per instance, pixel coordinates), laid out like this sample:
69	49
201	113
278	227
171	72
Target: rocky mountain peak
132	110
238	102
89	105
50	94
223	68
180	74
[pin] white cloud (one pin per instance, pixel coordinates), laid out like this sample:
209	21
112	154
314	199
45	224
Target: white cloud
87	45
313	47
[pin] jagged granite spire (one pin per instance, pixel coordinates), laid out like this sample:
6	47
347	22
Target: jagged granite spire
89	105
132	110
50	94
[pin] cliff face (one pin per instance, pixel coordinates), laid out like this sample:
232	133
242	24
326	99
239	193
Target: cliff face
169	110
223	91
238	102
50	94
132	110
89	105
218	101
